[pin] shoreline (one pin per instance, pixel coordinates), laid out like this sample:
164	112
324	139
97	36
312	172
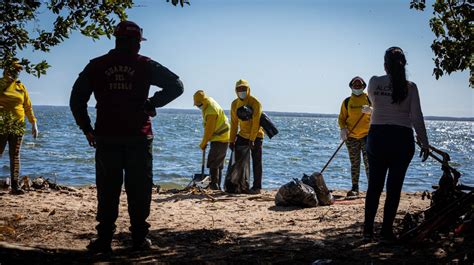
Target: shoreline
205	228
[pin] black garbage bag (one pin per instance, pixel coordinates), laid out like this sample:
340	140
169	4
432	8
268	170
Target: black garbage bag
245	113
268	126
316	181
238	172
296	193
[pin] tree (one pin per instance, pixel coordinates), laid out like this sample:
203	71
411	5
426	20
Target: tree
20	29
453	45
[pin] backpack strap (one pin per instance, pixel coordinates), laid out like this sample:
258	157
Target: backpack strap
346	101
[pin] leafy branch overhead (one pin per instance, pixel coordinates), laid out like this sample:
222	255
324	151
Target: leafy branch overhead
452	25
21	28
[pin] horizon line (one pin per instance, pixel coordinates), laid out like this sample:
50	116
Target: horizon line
309	114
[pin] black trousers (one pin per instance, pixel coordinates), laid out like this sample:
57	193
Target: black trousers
119	159
390	149
256	159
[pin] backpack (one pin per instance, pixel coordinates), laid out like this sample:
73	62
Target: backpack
346	101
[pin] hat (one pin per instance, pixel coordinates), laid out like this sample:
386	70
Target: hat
128	29
242	82
357	78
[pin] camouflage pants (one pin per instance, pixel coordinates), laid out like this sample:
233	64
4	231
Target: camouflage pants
355	147
14	145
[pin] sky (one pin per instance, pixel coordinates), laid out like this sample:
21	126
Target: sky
298	55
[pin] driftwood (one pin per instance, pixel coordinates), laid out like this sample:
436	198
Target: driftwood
448	203
447	215
5	245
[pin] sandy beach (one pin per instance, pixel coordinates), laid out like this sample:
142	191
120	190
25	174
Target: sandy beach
50	226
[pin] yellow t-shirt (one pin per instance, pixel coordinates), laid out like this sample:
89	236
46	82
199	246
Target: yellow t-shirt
349	116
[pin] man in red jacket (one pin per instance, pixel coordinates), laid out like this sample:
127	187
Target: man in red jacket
120	81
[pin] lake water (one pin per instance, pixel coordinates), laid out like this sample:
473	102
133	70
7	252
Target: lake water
304	145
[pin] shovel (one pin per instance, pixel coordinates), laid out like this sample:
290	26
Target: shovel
201	179
322	184
340	145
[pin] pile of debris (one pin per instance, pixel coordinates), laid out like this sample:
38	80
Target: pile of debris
451	212
40	183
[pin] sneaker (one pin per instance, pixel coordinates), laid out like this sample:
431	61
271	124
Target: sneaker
99	245
145	244
352	193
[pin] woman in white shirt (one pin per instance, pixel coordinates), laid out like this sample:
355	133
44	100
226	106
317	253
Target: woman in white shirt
390	145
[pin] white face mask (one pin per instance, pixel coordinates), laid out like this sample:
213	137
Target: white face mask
357	92
242	95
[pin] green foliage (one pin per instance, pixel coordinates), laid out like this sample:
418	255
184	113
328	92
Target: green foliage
10	125
181	2
452	25
20	27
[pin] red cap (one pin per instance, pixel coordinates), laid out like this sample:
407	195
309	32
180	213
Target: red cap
128	29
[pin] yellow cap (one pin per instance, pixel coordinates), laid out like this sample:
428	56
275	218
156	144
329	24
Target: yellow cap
242	82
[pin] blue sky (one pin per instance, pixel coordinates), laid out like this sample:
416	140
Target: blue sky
298	55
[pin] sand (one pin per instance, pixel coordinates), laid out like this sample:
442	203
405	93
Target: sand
49	226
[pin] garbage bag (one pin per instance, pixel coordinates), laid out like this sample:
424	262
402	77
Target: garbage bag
245	113
238	172
316	181
296	193
268	126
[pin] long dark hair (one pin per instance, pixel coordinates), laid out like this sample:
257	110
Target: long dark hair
395	65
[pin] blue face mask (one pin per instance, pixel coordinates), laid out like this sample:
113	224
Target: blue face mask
357	92
242	95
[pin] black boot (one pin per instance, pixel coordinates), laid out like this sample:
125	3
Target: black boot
142	245
214	179
100	245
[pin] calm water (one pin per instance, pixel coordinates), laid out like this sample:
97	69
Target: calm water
304	145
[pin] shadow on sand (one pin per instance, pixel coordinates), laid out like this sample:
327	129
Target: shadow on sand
341	245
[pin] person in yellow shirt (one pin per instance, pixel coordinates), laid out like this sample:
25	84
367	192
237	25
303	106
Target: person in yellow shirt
354	125
247	130
216	131
14	105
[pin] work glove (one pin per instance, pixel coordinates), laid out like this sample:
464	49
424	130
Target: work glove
150	110
203	146
34	130
424	153
366	109
343	134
